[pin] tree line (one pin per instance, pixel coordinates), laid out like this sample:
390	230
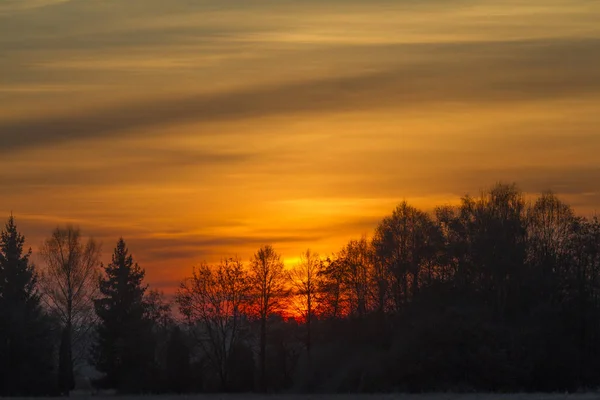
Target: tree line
497	293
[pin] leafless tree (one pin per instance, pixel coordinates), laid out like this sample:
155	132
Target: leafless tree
268	280
69	282
550	231
158	310
305	281
332	301
355	261
402	242
213	301
550	224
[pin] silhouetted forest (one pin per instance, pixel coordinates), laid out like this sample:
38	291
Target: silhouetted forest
498	293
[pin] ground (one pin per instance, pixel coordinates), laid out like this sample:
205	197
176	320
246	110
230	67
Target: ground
583	396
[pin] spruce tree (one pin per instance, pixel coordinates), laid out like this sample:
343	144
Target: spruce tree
26	346
123	350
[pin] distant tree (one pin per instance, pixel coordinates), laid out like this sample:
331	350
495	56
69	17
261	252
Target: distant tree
305	281
550	227
581	302
268	280
243	368
157	311
355	261
69	283
178	368
213	301
405	244
451	247
332	301
26	336
495	230
124	350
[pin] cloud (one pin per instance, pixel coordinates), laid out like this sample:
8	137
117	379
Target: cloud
577	182
14	6
133	166
488	73
181	248
567	180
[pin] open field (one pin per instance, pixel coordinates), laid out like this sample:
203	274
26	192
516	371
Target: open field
440	396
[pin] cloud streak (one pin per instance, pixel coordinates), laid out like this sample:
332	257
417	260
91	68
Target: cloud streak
518	73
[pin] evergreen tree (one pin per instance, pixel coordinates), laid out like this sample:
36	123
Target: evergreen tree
124	351
26	348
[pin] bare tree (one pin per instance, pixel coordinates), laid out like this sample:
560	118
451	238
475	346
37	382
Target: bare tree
493	231
355	261
550	225
158	310
69	282
213	301
332	297
403	243
268	280
305	281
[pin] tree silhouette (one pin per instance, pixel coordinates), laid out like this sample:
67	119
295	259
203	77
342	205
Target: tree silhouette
493	294
305	281
158	313
332	301
124	349
213	301
496	230
268	280
405	245
355	261
69	283
26	345
178	367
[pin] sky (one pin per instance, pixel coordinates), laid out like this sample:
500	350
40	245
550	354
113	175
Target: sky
201	129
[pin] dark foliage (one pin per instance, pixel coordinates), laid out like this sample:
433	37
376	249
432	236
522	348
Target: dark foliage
178	369
125	347
492	295
27	363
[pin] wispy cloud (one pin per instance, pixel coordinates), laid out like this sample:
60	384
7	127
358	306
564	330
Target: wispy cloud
485	73
12	6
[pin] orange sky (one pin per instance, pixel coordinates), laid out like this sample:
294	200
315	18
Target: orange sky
203	129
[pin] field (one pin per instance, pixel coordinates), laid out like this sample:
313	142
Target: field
441	396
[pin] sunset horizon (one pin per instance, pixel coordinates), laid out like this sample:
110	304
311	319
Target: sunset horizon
184	269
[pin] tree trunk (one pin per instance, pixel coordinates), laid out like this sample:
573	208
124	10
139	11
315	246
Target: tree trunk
308	318
263	354
66	380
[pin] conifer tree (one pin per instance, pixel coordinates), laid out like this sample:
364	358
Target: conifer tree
25	332
123	351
